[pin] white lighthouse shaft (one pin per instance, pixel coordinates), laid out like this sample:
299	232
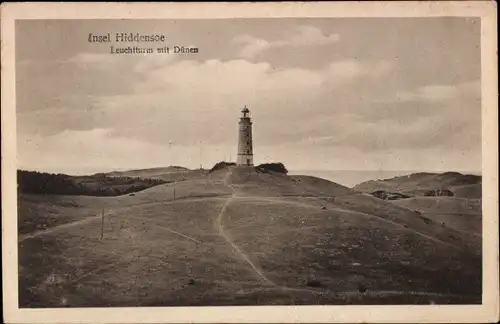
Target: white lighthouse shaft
245	148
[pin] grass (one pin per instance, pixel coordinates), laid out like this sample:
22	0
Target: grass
423	184
135	245
462	214
345	251
317	243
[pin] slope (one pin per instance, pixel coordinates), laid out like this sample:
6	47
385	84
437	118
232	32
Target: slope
240	237
426	184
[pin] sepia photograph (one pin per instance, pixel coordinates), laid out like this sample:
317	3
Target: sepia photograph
249	161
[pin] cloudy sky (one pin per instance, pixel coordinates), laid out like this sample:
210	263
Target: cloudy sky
325	94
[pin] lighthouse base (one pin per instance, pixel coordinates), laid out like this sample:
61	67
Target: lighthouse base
244	159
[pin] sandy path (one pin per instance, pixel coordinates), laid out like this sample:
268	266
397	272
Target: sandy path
305	205
241	254
59	228
273	285
98	217
165	228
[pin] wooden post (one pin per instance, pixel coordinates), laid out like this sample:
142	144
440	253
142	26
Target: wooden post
173	204
102	223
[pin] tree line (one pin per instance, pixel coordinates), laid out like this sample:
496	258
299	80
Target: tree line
97	185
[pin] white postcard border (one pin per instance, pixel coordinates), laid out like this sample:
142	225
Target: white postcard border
487	312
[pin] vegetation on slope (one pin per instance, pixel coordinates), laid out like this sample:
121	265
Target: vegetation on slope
426	184
274	167
459	213
95	185
221	165
147	173
328	244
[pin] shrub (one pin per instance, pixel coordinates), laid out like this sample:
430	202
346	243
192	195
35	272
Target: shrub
221	165
274	167
314	283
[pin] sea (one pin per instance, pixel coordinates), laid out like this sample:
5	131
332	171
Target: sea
350	178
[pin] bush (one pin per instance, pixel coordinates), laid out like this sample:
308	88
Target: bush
314	283
274	167
221	165
438	192
381	194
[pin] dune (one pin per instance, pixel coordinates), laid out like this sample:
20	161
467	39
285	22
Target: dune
237	236
468	191
458	213
169	174
151	172
427	184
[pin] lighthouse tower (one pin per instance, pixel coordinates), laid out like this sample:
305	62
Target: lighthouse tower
245	151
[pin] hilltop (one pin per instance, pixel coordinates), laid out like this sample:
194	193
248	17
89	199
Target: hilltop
170	173
240	236
147	173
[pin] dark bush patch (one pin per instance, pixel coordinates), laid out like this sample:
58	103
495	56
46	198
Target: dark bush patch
425	219
438	193
221	165
94	185
314	283
274	167
384	195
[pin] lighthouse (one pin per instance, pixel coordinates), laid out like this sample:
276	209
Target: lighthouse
245	150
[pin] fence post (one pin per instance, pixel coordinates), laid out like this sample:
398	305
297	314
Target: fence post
102	223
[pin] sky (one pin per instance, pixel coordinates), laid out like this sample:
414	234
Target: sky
325	94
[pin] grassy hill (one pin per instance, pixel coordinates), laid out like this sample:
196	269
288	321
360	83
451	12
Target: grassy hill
427	184
237	236
451	199
168	174
459	213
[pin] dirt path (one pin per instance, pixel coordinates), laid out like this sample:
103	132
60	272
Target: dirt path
220	227
166	228
90	219
273	285
58	228
305	205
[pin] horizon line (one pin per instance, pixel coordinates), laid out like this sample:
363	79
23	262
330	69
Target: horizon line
289	170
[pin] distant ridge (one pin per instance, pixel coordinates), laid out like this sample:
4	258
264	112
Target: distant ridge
33	182
148	171
427	184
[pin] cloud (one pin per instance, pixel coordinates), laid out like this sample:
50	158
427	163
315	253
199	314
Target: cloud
234	78
251	45
436	93
350	69
122	113
310	35
303	35
161	94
